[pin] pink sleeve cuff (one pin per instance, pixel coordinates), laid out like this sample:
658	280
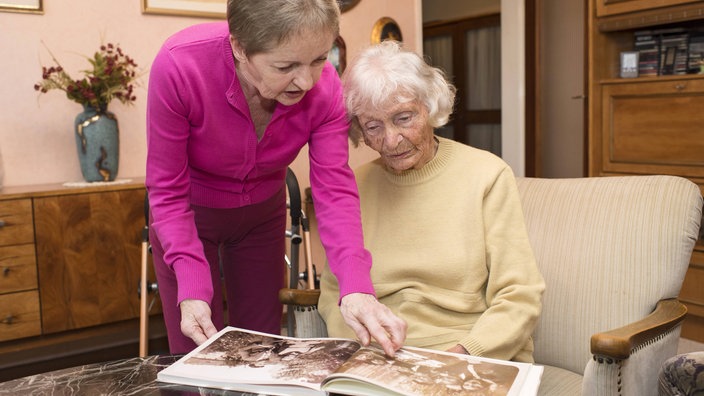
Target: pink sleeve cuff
194	281
353	277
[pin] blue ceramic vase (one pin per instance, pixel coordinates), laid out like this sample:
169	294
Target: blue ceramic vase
98	143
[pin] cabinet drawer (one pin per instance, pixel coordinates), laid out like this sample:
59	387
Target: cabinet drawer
18	268
19	315
16	224
654	127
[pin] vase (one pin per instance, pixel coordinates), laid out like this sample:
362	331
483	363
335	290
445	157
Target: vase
98	143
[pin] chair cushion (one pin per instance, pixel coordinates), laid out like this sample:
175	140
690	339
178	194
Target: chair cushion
683	375
559	382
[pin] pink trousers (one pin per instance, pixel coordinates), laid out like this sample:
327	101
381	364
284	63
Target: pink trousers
245	248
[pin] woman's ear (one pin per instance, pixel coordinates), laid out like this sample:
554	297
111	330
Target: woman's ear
237	50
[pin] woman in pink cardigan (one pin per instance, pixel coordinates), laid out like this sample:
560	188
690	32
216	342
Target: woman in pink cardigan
230	105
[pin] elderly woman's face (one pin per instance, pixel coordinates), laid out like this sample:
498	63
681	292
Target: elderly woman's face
401	134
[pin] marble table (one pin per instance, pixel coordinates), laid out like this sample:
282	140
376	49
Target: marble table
135	376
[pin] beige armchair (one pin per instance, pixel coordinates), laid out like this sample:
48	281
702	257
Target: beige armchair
614	252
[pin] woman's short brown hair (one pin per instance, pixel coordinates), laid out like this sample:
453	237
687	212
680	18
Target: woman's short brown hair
261	25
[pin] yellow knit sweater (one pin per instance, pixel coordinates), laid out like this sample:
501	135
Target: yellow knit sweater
451	254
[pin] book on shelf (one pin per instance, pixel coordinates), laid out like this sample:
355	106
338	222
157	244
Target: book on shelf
663	51
648	46
249	361
695	51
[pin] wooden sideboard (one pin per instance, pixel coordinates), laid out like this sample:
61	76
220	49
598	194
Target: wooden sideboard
648	124
69	271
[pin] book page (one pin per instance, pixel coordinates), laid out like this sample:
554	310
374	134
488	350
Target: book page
237	356
416	371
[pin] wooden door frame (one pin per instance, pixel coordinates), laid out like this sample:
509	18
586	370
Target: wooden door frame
533	148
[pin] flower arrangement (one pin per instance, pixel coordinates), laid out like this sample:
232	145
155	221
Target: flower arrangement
111	77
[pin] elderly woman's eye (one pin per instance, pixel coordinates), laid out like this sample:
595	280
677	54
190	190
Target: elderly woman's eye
372	130
404	118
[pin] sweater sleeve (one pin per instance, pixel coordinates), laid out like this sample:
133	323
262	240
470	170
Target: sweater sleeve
167	181
337	199
515	285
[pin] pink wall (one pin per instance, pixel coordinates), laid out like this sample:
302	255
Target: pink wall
36	132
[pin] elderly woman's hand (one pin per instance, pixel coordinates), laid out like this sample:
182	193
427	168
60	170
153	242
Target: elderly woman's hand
458	349
371	319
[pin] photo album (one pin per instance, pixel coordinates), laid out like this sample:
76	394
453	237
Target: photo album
249	361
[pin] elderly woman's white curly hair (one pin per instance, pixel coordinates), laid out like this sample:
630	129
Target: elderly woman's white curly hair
386	73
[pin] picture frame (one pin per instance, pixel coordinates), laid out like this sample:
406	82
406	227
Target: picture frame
338	55
629	64
24	6
386	29
191	8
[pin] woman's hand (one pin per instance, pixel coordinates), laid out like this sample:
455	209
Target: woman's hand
371	319
196	322
458	349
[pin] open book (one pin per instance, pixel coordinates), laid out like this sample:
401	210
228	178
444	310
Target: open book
255	362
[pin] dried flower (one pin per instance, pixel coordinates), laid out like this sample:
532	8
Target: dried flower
111	77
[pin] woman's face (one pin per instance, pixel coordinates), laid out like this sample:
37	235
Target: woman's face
400	133
288	71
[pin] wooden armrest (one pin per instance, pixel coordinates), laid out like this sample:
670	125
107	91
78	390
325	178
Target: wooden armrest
619	343
304	297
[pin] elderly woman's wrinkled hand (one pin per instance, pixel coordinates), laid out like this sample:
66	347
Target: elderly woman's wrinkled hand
371	319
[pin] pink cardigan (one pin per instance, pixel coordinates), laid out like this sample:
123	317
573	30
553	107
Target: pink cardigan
203	150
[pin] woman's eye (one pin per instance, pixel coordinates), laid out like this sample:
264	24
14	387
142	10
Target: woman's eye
404	118
284	69
372	129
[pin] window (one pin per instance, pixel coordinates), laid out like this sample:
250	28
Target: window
469	51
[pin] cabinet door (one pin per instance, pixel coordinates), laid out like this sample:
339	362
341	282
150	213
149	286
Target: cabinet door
653	127
692	295
613	7
88	257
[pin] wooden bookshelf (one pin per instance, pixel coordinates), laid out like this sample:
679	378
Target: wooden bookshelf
647	125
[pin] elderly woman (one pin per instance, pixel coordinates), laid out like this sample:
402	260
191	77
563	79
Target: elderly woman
442	220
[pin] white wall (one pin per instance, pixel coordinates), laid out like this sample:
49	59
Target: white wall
513	92
562	88
37	141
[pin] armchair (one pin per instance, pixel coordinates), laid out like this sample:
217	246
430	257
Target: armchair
613	252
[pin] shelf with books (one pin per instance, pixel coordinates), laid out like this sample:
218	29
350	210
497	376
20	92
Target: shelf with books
669	37
669	51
